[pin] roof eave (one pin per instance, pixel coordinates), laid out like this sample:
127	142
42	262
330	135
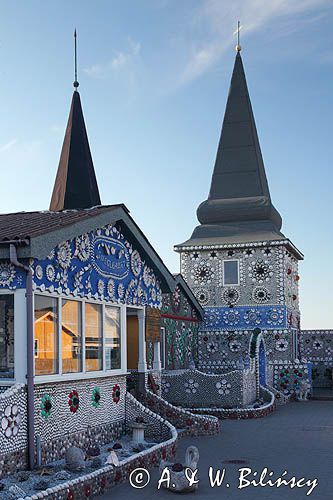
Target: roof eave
190	295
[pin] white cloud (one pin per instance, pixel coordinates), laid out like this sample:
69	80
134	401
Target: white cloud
120	61
213	16
8	145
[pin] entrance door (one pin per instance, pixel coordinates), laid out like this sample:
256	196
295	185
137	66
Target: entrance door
132	341
262	364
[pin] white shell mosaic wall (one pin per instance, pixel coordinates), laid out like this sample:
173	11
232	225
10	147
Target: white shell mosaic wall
86	407
191	388
268	287
317	346
267	275
13	419
223	351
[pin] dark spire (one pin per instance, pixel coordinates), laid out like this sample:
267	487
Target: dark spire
75	185
239	201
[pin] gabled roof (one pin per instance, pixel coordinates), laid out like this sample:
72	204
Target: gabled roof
179	281
33	227
239	206
75	185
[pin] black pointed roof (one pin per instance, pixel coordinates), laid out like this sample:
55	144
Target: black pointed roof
75	186
239	206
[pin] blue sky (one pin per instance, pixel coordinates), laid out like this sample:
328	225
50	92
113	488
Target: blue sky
154	77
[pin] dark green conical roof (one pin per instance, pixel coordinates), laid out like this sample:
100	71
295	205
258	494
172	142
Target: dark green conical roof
239	206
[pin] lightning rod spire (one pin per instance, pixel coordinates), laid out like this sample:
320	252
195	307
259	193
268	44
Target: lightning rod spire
237	32
76	83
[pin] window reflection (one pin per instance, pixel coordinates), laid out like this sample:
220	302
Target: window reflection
7	336
46	325
71	332
112	338
93	336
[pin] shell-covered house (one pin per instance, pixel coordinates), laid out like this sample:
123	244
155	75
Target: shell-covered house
72	278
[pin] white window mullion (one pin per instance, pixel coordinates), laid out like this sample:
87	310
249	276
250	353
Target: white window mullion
83	321
123	338
103	338
60	336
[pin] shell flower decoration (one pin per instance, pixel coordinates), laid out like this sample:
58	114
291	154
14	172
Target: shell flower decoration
116	394
10	422
46	406
73	401
96	397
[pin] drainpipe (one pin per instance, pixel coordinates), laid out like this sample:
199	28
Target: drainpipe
30	354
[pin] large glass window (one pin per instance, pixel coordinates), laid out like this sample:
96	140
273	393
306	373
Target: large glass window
93	337
82	327
230	275
71	336
7	336
112	338
46	326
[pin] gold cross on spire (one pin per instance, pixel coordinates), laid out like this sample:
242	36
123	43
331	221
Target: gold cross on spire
236	32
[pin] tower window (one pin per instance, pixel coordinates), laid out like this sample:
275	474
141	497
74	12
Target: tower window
230	272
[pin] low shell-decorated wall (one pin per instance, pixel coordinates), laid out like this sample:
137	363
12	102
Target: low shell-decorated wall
190	424
265	409
13	430
100	480
316	346
194	389
249	387
287	376
79	413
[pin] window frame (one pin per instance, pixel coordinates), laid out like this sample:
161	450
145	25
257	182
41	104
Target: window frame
104	337
163	344
57	343
223	273
84	374
11	380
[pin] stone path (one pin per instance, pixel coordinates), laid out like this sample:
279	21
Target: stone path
297	437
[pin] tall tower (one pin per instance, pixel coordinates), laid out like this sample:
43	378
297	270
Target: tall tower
240	266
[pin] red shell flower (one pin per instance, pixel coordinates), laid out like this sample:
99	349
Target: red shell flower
117	477
70	495
289	271
189	422
116	393
73	401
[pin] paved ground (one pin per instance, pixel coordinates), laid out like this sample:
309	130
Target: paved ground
298	438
